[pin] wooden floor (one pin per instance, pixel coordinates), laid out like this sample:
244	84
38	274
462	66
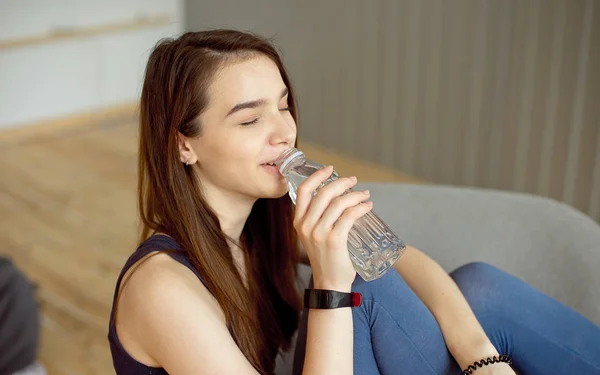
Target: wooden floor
68	220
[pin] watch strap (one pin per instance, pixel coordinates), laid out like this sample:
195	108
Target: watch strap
330	299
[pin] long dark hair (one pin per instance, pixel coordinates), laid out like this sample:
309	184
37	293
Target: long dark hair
174	94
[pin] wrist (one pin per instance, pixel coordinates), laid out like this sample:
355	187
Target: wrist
330	299
338	287
490	365
467	353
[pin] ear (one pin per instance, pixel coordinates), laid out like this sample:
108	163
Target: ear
186	152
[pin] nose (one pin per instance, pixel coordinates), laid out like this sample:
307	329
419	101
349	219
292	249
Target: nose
284	130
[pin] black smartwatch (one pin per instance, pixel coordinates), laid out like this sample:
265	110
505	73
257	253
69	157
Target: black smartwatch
330	299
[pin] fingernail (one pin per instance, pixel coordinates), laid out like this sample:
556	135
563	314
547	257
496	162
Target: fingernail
353	178
366	192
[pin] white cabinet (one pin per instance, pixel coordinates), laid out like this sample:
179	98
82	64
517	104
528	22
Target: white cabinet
61	76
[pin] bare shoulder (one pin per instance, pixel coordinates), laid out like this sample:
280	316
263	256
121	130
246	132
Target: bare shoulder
167	318
158	276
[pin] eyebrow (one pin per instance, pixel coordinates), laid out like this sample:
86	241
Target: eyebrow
254	103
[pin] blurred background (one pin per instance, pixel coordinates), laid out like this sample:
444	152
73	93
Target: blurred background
498	94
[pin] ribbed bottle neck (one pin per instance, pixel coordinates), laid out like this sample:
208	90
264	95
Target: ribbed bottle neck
287	158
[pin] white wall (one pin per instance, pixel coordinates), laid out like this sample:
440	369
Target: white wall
498	93
67	76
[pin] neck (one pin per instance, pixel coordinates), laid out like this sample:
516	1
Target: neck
232	211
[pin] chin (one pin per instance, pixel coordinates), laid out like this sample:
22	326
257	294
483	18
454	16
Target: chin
282	194
277	192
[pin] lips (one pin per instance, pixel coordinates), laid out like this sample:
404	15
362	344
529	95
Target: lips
271	161
271	169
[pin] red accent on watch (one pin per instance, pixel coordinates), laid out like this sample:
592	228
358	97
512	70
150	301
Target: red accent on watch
356	299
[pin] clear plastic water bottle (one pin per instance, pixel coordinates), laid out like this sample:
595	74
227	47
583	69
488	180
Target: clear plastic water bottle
373	247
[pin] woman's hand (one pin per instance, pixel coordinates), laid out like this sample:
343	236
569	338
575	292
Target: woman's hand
323	224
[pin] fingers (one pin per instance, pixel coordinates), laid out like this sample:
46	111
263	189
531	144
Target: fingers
305	190
339	233
337	207
324	198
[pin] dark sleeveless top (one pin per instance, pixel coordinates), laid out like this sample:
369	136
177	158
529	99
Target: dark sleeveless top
122	361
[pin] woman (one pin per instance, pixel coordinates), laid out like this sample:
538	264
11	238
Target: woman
210	290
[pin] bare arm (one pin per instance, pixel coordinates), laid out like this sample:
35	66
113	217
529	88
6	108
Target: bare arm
167	317
329	342
329	335
186	332
322	225
464	336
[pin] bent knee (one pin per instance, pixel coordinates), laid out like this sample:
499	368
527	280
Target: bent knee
475	270
480	283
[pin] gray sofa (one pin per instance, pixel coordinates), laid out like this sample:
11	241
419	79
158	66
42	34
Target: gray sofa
549	244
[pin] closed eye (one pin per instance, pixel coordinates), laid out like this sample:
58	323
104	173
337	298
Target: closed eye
250	122
286	109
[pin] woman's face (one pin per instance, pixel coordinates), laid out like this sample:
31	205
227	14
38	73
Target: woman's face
246	125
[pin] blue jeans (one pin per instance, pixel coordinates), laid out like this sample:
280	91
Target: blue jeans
395	333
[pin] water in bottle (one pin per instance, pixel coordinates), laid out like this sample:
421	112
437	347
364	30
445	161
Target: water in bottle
373	247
